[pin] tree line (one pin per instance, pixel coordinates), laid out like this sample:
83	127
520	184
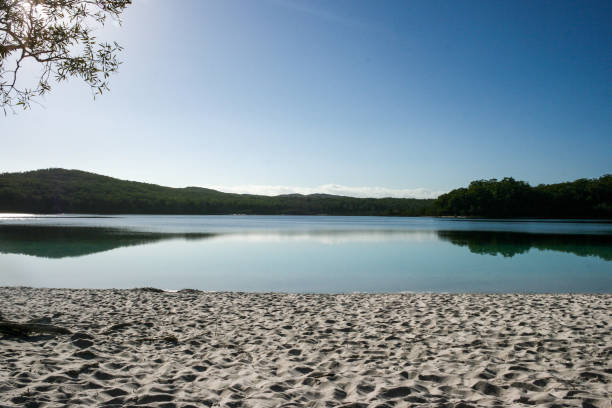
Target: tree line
509	198
72	191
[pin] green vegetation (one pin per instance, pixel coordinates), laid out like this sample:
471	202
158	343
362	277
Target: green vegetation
72	191
508	198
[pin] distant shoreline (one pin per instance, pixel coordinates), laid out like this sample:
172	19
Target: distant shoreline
57	191
449	217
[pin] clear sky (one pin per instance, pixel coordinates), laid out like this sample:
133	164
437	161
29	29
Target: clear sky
277	95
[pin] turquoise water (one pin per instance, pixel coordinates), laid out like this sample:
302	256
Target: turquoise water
306	253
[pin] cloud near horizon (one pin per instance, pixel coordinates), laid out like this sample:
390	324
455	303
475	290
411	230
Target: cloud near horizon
335	189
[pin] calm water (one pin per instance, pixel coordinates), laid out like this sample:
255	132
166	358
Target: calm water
306	254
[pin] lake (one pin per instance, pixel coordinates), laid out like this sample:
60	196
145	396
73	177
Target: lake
306	253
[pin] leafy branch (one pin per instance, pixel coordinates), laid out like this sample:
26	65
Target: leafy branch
58	37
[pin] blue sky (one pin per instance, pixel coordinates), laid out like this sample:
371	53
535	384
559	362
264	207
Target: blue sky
354	97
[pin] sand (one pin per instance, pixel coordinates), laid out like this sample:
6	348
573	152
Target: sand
196	349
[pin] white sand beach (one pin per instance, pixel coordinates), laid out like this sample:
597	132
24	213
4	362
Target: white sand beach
197	349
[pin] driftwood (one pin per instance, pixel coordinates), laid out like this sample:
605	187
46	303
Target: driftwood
24	329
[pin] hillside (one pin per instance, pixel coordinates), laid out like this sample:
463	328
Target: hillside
73	191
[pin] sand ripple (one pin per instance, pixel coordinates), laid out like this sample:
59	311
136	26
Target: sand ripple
195	349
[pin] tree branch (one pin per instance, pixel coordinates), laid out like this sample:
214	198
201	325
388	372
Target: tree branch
58	35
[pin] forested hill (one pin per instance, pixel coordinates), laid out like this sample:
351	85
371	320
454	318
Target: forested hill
73	191
509	198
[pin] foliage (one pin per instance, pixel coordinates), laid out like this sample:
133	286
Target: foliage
73	191
583	198
57	37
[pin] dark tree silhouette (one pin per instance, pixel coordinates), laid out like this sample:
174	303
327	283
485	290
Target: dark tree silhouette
508	198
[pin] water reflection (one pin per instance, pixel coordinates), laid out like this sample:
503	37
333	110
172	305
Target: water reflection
509	244
62	242
69	241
